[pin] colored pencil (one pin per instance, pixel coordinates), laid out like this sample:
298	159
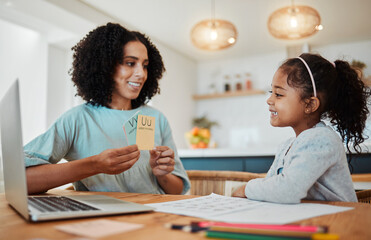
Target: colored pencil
185	228
245	236
259	231
297	228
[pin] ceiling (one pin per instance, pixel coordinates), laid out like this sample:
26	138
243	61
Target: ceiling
170	21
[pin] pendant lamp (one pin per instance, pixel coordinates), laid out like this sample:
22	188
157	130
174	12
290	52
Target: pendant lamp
213	34
294	22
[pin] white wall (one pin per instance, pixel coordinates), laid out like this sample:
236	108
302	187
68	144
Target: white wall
24	56
177	87
360	51
60	92
244	121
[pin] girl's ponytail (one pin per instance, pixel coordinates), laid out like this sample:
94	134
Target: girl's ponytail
348	105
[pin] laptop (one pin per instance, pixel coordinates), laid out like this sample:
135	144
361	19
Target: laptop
44	207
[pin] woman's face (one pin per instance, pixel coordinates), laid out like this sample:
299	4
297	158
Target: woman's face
131	75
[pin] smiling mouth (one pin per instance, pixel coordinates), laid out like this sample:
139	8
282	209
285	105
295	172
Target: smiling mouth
134	84
274	113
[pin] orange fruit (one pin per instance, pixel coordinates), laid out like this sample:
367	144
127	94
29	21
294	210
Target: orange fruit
193	146
201	145
204	132
194	131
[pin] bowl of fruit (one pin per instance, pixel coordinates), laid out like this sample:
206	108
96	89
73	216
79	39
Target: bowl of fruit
199	136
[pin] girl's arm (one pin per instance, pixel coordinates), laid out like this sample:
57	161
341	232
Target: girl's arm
308	161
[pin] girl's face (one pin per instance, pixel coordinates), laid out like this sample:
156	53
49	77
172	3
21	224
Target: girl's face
285	104
130	76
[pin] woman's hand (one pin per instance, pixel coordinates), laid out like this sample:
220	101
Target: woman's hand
240	192
117	160
162	163
162	160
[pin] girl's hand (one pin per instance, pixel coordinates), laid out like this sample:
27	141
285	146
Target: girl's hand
240	192
162	160
117	160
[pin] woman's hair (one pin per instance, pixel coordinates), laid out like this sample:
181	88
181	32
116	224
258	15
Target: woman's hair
343	96
95	60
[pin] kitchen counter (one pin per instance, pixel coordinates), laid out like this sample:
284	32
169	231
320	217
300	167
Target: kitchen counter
256	159
255	151
226	152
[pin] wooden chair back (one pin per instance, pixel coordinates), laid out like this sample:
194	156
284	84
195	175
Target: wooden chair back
363	196
219	182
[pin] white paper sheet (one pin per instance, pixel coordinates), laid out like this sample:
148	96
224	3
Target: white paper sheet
240	210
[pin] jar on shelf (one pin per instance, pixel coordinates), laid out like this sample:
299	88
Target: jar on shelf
227	84
212	88
238	82
248	82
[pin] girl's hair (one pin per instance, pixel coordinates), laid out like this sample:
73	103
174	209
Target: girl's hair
95	60
343	96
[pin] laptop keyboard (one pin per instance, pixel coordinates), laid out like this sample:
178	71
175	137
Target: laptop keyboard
58	204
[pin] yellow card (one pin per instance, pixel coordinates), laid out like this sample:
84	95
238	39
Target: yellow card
146	132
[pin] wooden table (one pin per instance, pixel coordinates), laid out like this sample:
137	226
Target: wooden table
353	224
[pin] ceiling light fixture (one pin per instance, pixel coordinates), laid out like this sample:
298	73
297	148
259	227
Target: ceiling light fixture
213	34
294	22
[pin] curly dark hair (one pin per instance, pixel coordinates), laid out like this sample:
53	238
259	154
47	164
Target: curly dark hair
95	59
343	95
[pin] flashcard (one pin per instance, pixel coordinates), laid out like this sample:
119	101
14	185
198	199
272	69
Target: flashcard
146	132
130	129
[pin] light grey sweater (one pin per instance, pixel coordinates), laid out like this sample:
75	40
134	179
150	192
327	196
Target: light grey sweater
315	168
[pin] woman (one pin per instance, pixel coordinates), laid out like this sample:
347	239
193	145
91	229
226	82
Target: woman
116	72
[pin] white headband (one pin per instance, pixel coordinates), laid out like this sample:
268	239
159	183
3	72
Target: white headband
311	76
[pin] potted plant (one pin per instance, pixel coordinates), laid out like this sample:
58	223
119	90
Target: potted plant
358	66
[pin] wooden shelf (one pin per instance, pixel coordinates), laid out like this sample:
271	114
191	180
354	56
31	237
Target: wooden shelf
228	94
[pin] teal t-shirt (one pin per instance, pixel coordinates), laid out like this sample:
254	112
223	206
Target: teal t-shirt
88	130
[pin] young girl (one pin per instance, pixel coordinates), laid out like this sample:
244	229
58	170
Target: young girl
313	165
